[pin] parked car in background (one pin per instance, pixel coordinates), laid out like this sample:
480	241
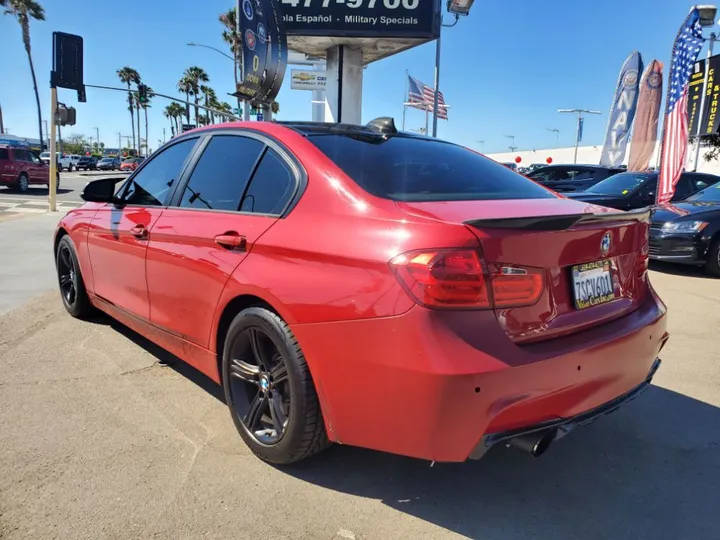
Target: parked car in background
130	164
534	166
511	166
569	178
275	256
74	160
688	232
629	190
63	161
109	164
20	168
87	163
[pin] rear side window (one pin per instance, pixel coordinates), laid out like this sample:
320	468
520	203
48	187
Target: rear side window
222	173
4	154
415	169
271	188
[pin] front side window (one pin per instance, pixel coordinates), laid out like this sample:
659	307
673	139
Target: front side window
152	185
222	173
406	168
271	188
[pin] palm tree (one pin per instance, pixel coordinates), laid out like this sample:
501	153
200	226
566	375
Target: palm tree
169	113
224	107
196	75
128	76
185	85
232	38
23	11
145	106
210	97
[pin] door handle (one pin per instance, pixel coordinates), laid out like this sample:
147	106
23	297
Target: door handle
139	231
231	240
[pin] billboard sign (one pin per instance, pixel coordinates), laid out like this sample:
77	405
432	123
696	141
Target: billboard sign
710	117
303	79
362	18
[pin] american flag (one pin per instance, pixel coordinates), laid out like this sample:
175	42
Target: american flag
685	52
422	97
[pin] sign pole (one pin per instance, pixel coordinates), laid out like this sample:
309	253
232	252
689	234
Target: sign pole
713	37
52	181
437	81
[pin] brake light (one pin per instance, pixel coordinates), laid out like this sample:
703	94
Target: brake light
457	278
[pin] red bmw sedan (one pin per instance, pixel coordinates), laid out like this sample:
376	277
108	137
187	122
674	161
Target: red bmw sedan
331	277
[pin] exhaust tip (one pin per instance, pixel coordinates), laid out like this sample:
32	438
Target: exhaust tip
535	444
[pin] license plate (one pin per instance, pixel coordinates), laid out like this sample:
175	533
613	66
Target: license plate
592	284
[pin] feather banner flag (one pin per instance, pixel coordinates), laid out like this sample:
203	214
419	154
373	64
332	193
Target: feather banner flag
645	128
622	112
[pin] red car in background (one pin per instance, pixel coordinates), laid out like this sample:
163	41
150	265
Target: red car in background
21	167
368	287
130	164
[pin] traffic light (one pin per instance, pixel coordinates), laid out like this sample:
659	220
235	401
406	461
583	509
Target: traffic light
142	93
65	116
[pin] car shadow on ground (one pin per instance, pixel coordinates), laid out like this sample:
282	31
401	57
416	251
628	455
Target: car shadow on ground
649	470
680	270
36	191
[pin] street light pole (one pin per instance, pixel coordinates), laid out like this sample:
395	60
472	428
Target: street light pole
512	146
436	93
97	133
482	145
557	136
578	133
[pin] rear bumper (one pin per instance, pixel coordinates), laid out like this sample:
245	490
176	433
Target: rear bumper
563	426
438	385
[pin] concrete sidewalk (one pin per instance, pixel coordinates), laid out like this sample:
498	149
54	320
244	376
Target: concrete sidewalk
27	267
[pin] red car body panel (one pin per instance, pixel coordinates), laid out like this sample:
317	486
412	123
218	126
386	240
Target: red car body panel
15	164
324	267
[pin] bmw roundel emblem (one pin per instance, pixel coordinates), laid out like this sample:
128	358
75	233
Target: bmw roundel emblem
605	243
248	9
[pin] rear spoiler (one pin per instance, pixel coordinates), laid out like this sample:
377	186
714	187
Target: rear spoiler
558	223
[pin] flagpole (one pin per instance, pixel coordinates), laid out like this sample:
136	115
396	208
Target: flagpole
405	98
426	121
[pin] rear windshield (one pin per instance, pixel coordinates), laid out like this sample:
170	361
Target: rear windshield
620	185
416	169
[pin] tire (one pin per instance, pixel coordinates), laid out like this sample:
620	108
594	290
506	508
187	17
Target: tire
23	183
77	303
712	261
276	392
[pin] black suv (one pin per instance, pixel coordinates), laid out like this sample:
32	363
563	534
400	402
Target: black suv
87	163
564	178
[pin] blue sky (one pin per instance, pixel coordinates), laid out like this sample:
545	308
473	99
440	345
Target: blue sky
506	68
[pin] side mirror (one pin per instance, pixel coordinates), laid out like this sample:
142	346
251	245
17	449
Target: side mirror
102	190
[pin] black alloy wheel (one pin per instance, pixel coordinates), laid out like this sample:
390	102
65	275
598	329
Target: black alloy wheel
269	389
72	288
259	385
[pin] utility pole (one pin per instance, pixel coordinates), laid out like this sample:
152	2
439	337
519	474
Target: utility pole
164	140
119	144
512	146
2	127
97	133
580	120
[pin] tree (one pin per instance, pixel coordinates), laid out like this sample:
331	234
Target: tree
232	38
210	97
23	11
174	112
145	106
185	86
129	76
226	108
196	75
76	143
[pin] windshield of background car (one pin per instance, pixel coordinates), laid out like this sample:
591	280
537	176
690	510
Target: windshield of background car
620	185
709	194
415	169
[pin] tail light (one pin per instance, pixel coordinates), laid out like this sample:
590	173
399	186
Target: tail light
457	278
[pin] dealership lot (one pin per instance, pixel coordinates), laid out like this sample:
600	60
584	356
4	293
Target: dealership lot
103	435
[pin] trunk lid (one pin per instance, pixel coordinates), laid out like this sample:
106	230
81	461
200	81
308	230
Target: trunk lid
561	237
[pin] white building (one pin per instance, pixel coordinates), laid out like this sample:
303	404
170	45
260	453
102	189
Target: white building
591	155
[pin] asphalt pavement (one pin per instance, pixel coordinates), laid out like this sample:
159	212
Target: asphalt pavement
14	205
98	439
